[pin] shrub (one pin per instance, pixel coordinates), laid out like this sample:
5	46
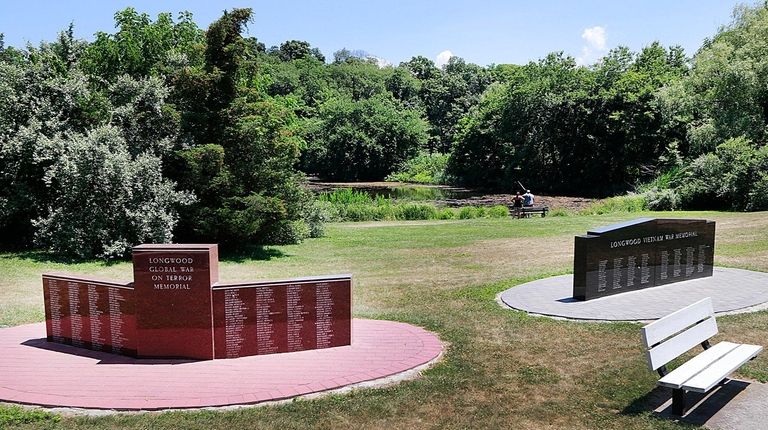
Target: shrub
362	212
388	211
316	214
758	197
498	211
286	232
104	201
446	213
468	212
363	139
667	179
699	190
346	196
418	211
423	169
627	203
662	200
559	212
727	178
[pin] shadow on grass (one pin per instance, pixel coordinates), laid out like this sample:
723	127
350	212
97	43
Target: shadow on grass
49	257
241	255
229	255
701	407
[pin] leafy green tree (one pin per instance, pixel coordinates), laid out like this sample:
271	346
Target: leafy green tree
422	68
42	93
104	201
297	49
242	163
342	56
734	177
365	139
53	106
148	123
404	87
305	79
570	129
726	93
357	79
447	95
142	47
224	54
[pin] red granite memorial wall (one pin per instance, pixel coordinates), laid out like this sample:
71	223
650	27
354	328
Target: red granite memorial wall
90	313
282	316
177	309
172	284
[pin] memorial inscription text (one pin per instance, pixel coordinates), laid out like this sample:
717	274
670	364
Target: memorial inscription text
641	253
177	309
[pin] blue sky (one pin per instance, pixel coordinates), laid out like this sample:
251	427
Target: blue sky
480	31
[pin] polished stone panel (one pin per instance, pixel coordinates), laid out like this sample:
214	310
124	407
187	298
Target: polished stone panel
282	316
90	313
176	305
642	253
174	310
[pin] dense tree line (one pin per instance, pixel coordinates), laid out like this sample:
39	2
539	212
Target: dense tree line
570	129
162	130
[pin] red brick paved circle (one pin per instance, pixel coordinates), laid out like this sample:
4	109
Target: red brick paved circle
33	371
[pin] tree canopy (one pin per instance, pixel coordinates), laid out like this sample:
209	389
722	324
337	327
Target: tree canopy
165	131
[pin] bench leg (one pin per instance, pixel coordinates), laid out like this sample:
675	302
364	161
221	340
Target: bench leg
678	401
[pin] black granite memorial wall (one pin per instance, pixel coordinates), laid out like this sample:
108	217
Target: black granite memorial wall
642	253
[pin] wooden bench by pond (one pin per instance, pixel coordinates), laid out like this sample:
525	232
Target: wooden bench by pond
526	212
678	332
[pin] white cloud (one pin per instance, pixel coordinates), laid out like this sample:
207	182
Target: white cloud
595	45
443	57
595	37
381	62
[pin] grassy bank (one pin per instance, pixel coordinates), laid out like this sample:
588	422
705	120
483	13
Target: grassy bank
504	369
351	205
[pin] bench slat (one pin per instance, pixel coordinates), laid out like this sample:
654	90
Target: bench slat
689	369
723	367
677	345
665	327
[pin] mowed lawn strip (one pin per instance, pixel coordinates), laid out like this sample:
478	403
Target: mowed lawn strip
503	368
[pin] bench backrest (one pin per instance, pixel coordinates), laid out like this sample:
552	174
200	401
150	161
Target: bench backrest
678	332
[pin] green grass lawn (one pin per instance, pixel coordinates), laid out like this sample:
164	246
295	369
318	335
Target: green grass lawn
503	368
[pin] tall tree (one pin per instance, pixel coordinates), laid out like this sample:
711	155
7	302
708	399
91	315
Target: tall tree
242	167
142	47
364	139
726	93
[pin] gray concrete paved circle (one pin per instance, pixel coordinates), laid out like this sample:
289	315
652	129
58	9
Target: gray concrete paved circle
732	290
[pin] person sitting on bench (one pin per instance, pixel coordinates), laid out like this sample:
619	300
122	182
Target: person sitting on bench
517	201
527	199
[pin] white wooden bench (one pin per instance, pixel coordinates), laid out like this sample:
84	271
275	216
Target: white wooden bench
678	332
